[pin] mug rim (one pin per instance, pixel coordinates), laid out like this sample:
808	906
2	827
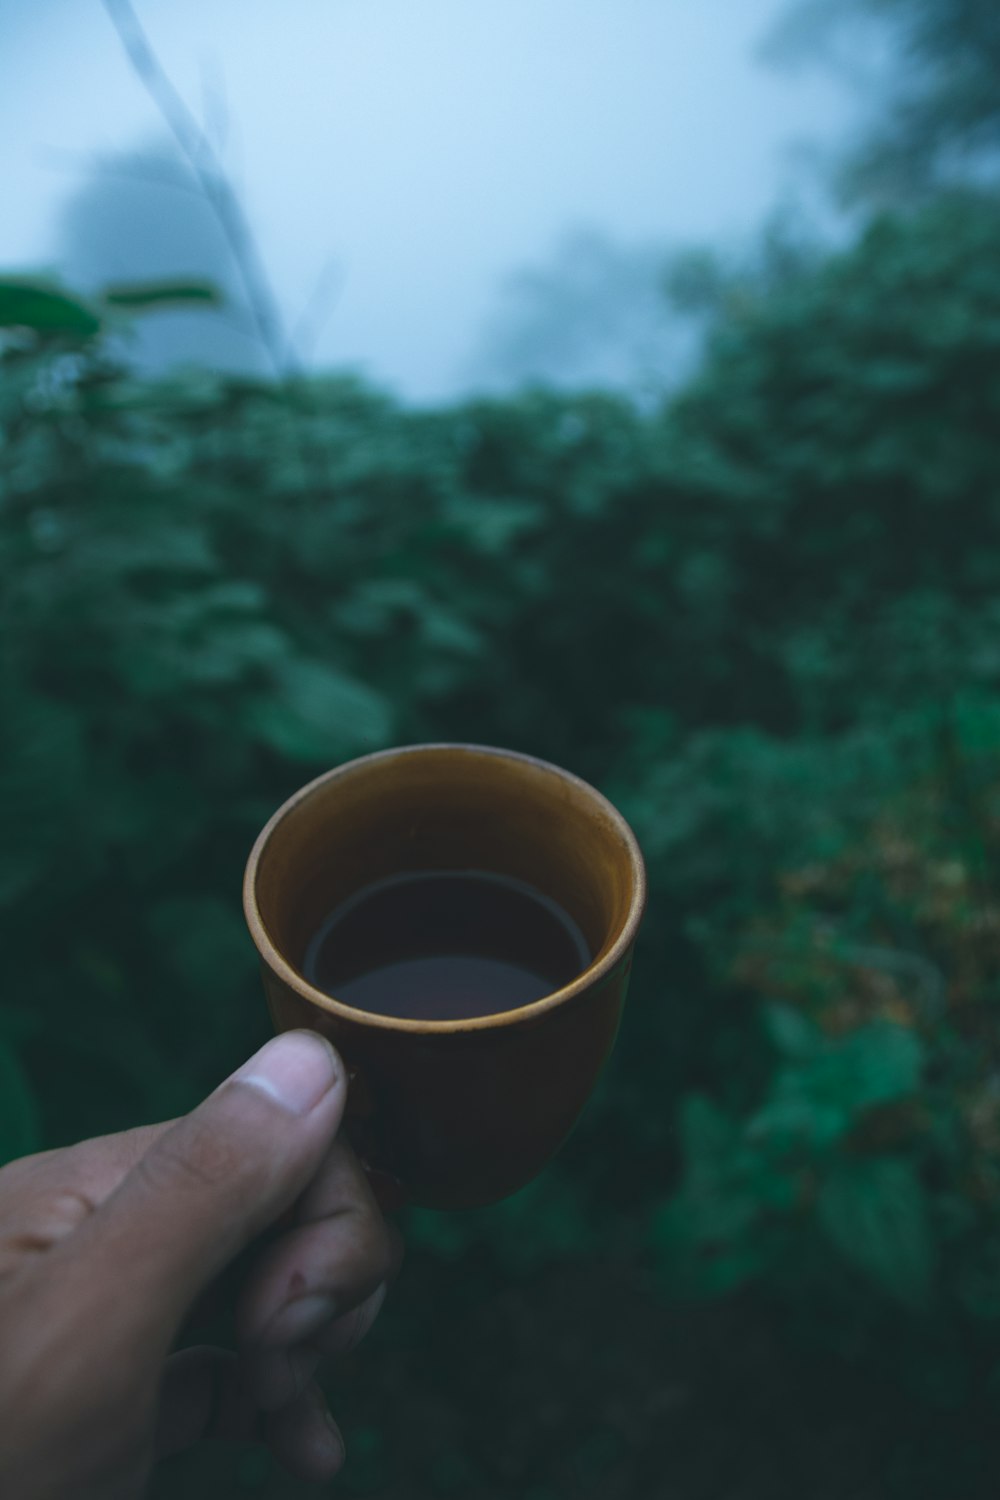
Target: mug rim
595	971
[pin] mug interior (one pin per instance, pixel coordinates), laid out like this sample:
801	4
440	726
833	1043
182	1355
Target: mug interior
444	807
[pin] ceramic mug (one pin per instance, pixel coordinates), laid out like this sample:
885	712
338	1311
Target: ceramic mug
459	1112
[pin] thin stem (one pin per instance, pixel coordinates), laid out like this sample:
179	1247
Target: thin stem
214	182
319	305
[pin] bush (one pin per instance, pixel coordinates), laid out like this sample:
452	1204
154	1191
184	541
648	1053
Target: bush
763	619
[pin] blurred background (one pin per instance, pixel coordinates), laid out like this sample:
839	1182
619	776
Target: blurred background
617	381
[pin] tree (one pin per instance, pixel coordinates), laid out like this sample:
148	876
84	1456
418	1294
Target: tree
593	314
937	115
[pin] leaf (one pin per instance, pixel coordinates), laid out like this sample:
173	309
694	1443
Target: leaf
19	1128
792	1033
819	1097
704	1129
446	631
43	771
875	1212
204	943
42	307
317	713
880	1063
150	296
710	1243
789	1124
493	527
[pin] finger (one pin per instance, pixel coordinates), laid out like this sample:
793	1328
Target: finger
203	1395
204	1189
277	1376
305	1438
203	1398
339	1254
344	1334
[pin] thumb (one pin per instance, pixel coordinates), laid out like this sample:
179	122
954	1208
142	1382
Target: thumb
209	1185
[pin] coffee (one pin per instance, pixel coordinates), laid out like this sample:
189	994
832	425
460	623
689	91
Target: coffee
438	945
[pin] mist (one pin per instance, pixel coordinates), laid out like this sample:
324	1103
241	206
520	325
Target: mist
416	177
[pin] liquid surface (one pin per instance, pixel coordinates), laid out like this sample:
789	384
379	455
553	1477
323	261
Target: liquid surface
445	944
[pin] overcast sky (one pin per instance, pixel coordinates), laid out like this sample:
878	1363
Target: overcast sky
429	149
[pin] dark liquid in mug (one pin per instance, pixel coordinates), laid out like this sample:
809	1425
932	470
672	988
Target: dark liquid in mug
440	945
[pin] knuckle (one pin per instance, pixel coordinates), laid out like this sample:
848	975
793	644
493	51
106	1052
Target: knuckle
195	1155
372	1247
356	1259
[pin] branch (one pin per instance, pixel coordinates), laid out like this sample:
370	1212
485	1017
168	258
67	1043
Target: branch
310	322
212	178
214	106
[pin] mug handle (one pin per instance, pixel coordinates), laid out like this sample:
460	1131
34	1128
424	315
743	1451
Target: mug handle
362	1133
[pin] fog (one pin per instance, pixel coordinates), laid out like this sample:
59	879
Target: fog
413	160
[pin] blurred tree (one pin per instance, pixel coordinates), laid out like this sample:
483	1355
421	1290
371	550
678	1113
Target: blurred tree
936	112
592	315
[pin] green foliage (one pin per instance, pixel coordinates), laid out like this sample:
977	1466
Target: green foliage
19	1133
826	1087
937	115
764	619
875	1213
45	309
752	1188
145	296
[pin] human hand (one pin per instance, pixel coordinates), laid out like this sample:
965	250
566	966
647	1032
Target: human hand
106	1246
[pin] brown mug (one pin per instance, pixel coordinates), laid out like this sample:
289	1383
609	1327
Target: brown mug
459	1112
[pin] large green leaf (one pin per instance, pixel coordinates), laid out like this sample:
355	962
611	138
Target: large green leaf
44	308
880	1063
874	1210
316	713
150	296
819	1095
792	1032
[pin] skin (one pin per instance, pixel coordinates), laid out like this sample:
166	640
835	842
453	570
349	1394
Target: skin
106	1247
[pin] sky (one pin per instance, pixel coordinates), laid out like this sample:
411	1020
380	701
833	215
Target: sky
418	156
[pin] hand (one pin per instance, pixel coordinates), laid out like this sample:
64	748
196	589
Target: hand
105	1247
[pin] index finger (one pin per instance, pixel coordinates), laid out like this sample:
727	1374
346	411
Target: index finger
338	1253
